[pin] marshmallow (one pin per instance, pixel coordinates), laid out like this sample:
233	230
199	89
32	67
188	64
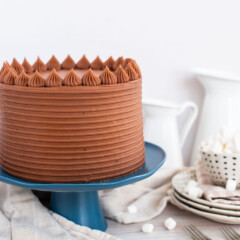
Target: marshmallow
231	185
147	227
170	223
217	147
195	192
132	209
226	141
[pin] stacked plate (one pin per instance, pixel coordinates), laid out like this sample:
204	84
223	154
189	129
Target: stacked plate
218	212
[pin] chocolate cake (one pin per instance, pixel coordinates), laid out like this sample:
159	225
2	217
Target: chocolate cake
71	122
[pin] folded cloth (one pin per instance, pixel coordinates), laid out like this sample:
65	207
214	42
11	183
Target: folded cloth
215	193
149	196
22	216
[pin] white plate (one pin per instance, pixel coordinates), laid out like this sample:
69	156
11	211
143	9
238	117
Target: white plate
212	216
181	179
206	208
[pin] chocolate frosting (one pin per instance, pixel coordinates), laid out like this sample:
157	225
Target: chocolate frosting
3	68
126	62
118	62
80	134
36	80
107	77
71	79
53	63
131	72
39	65
90	79
22	79
83	63
4	73
68	63
17	66
109	63
136	68
121	75
97	64
52	132
53	79
27	66
9	79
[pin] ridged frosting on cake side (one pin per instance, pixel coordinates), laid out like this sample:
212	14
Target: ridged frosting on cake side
72	134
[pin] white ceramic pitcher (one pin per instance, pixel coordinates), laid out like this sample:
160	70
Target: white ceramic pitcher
160	127
221	104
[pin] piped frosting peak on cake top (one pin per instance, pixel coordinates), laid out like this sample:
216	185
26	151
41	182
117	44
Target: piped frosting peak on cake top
136	68
28	68
39	65
53	79
110	63
53	63
71	79
97	64
9	79
107	77
36	80
131	72
90	79
84	73
22	79
5	71
122	76
17	66
118	62
68	63
83	63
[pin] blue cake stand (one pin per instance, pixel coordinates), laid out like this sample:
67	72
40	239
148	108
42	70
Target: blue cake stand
79	202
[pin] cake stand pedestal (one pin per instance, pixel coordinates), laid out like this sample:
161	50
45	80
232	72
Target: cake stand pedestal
79	202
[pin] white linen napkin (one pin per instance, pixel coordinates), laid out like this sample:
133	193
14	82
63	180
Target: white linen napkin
22	216
149	196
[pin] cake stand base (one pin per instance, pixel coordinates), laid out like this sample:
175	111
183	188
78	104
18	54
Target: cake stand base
82	208
79	202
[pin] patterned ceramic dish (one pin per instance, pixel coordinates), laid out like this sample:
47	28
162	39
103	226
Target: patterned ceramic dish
221	167
206	208
181	179
212	216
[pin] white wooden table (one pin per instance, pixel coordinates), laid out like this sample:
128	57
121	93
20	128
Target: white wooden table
183	218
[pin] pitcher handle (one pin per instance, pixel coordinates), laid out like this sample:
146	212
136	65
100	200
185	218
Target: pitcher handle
188	124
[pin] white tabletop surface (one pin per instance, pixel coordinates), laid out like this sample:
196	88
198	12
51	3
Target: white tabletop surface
183	218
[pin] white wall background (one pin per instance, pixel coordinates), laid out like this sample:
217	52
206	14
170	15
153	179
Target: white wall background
167	38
